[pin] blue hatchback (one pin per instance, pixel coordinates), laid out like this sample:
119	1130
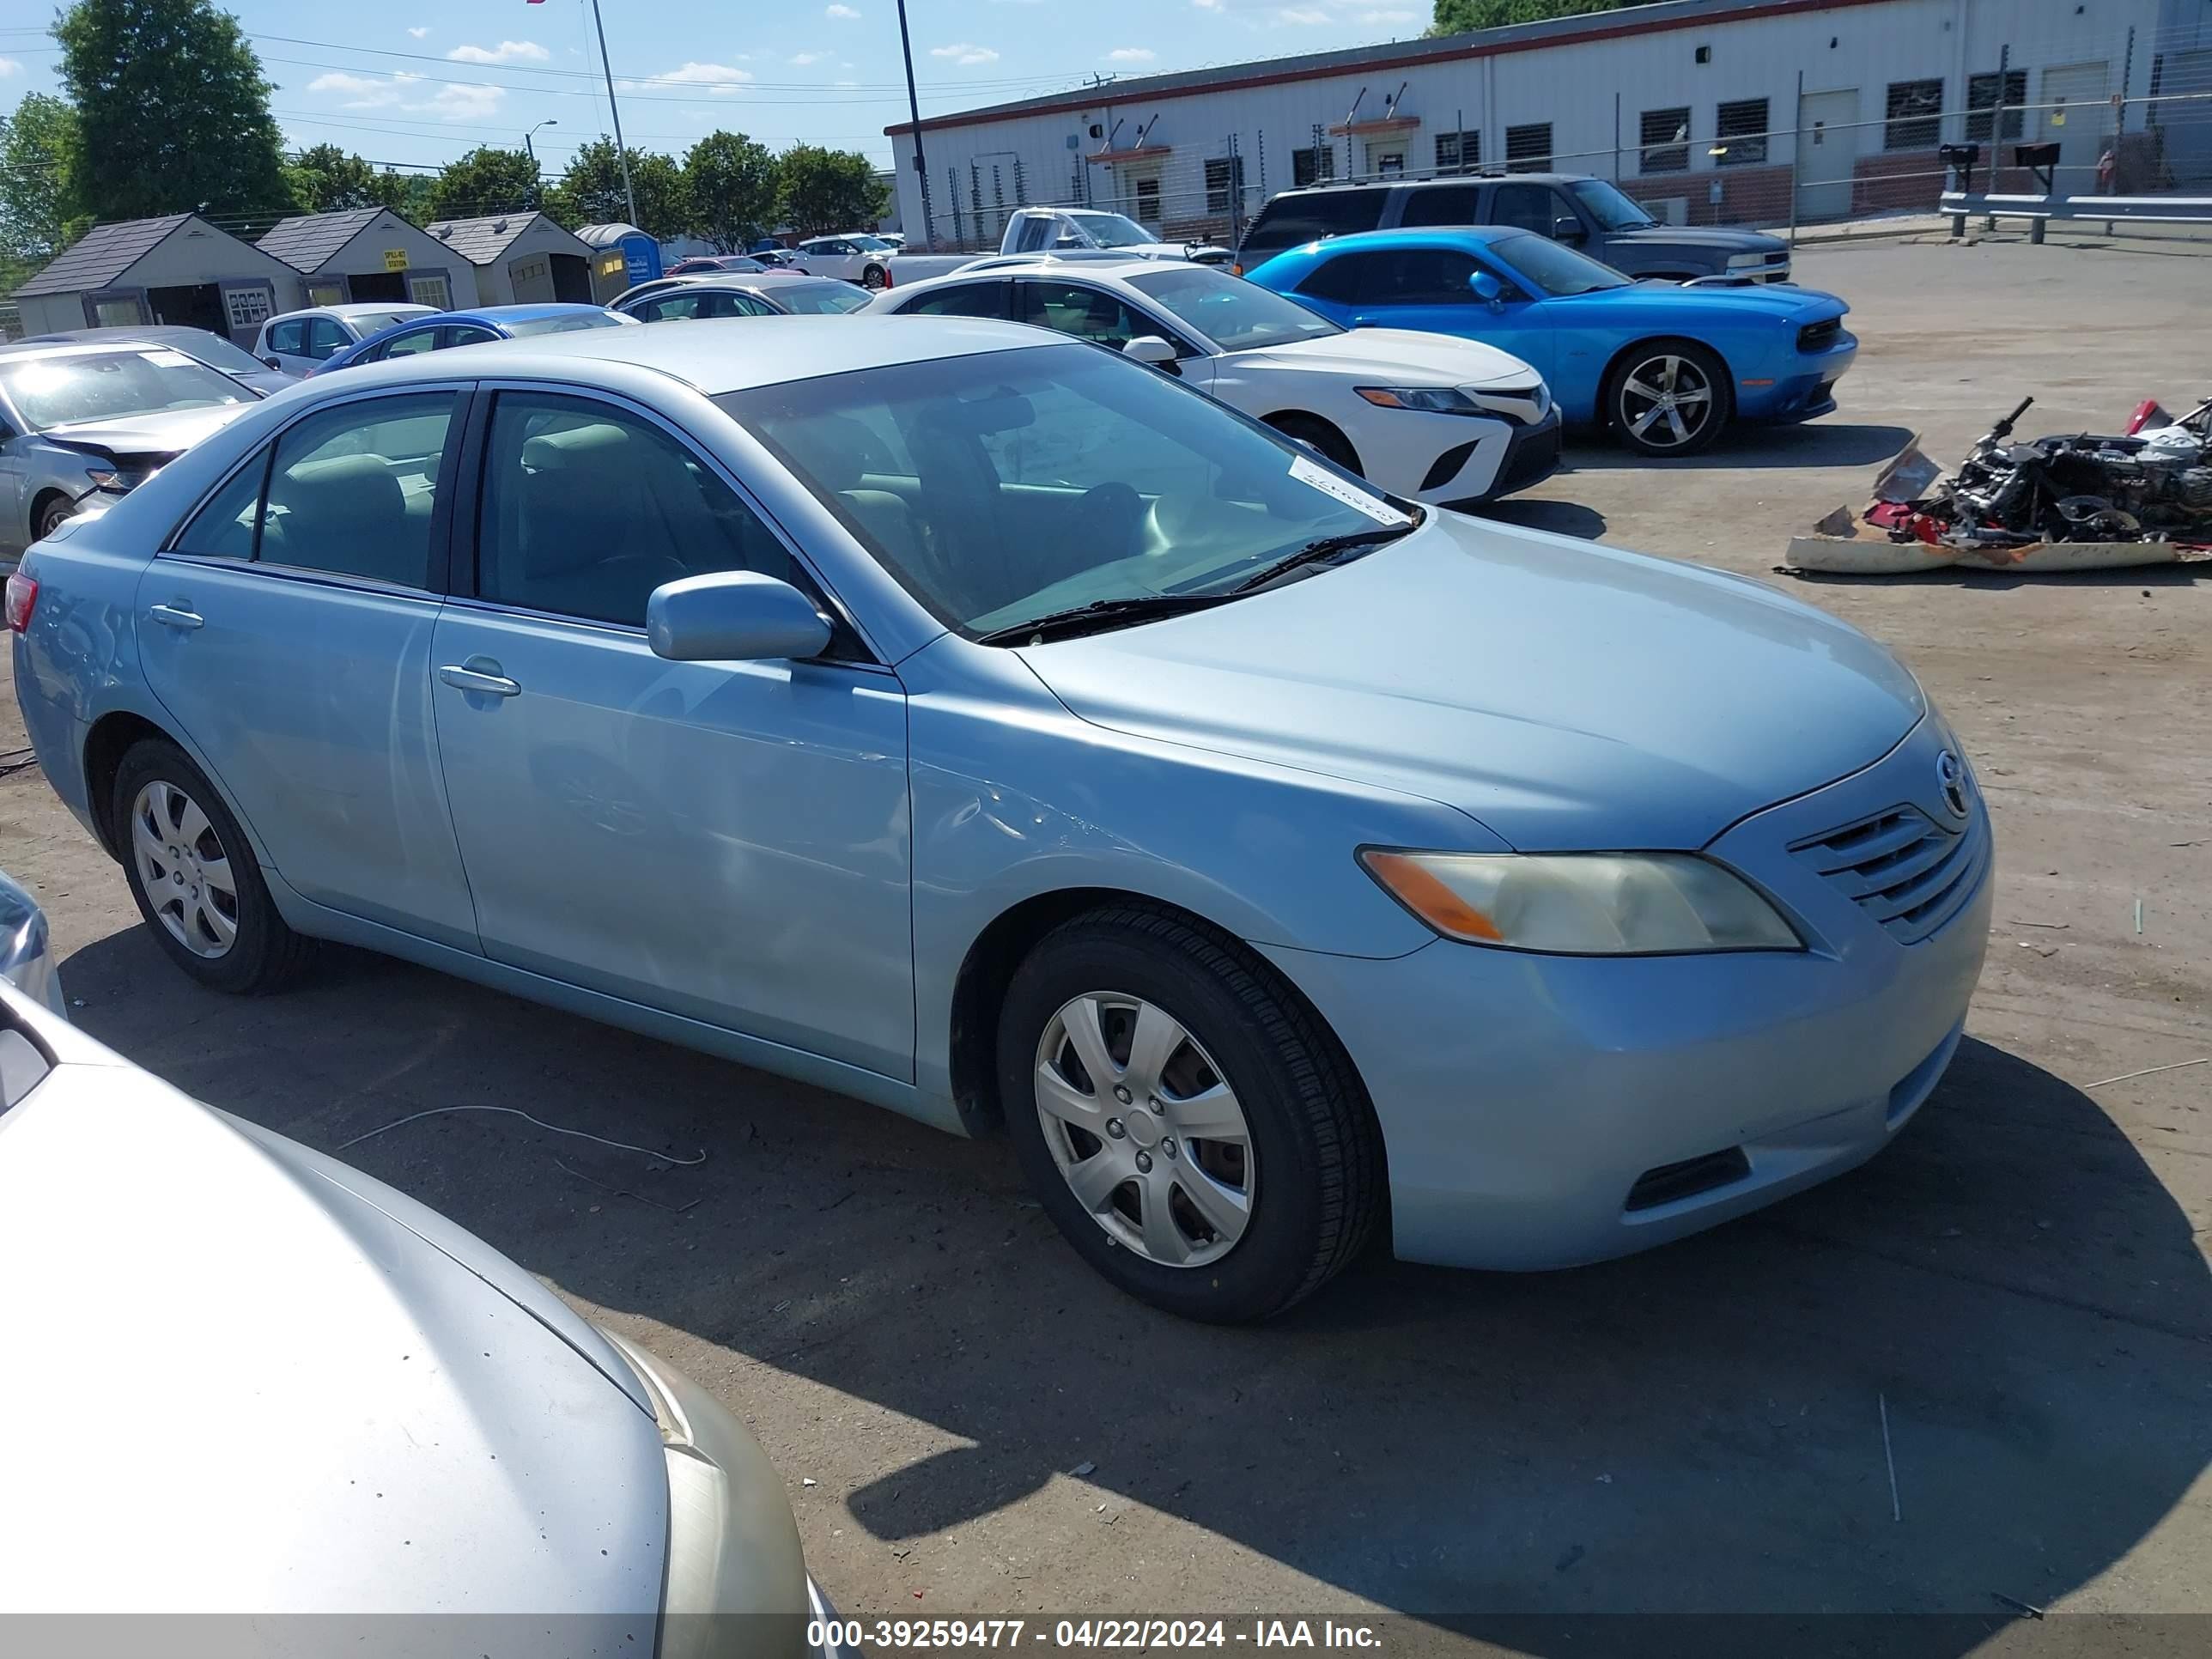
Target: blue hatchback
1666	366
454	328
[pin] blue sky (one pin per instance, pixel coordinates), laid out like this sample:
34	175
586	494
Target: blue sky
428	81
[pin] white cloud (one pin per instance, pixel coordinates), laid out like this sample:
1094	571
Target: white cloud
1131	55
720	79
455	101
961	52
507	51
805	57
422	34
8	66
844	12
1207	5
1389	17
1302	16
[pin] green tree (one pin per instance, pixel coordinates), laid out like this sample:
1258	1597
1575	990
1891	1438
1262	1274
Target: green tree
733	183
173	112
326	179
1457	16
37	179
591	191
827	190
484	181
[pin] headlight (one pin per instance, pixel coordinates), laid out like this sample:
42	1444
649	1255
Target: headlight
1746	261
1583	903
1433	399
114	480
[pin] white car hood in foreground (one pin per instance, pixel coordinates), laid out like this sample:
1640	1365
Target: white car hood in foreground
235	1385
1417	359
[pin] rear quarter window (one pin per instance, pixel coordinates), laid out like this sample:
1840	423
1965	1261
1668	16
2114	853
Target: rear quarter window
1294	220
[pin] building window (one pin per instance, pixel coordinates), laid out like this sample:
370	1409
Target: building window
246	307
1985	94
1458	152
1312	167
1224	183
1916	115
1740	133
433	291
1148	201
1666	139
1529	149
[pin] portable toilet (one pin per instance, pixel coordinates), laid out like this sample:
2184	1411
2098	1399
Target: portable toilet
622	256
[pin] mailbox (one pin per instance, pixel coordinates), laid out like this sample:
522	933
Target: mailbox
1962	159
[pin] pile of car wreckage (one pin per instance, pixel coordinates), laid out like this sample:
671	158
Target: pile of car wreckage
2079	502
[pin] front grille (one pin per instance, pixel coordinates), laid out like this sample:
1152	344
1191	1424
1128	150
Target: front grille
1819	336
1672	1182
1905	870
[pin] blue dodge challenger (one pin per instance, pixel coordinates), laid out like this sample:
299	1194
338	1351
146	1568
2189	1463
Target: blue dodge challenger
1666	366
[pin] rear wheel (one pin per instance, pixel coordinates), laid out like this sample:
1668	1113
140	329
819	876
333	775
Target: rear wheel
1670	398
195	877
875	277
1193	1134
1321	437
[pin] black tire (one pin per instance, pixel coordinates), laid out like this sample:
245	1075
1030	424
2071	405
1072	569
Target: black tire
1316	1168
1694	367
1321	438
53	512
266	955
875	279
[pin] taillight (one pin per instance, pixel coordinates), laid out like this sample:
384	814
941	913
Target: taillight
22	594
1236	270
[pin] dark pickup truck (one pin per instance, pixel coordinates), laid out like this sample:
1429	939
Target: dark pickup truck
1588	213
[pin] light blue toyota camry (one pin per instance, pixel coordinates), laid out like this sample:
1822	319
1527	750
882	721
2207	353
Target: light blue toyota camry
989	726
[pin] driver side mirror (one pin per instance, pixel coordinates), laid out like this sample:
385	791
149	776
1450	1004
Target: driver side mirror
1150	349
1486	288
1568	228
270	363
733	616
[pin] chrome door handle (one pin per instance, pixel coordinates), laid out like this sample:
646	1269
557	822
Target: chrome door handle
172	616
468	679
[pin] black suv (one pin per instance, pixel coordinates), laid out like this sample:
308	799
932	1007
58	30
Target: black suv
1568	207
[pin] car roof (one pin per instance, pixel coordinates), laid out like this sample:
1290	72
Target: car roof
113	334
725	353
1113	268
358	308
1447	179
1418	235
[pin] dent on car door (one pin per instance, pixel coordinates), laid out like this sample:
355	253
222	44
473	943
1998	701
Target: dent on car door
288	631
727	841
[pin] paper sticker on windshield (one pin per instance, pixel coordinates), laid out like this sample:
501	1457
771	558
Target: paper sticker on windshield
1308	472
167	359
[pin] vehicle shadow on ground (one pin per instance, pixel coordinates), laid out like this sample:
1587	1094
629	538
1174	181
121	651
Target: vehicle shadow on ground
1815	443
1560	517
2143	576
1700	1428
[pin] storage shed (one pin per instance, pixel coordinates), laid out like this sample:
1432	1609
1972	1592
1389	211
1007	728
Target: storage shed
520	258
371	253
178	269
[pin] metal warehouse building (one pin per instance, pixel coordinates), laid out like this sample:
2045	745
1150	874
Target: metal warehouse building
1706	111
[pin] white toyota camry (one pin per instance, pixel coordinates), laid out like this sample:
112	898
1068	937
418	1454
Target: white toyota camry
1440	420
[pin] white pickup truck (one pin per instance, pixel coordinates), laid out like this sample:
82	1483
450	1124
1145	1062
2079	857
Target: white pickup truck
866	258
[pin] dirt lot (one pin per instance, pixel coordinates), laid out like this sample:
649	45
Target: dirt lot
2020	1283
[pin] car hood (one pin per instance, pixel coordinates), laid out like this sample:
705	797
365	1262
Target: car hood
172	432
248	1379
1782	300
1734	242
1567	696
1414	358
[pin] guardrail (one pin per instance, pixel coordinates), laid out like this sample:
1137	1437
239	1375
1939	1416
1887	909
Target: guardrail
2039	210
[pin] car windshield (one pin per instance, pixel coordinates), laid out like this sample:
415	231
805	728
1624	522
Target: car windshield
1115	230
1609	206
1550	269
871	244
1235	314
1006	486
812	298
106	385
218	352
564	324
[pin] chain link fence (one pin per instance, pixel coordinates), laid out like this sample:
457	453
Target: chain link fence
1846	156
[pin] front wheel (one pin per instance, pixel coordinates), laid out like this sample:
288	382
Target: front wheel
1321	438
56	511
1195	1135
1668	399
195	877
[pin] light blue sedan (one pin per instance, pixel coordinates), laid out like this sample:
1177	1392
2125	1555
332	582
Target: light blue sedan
992	728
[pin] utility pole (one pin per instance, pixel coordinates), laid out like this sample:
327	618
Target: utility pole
914	113
622	151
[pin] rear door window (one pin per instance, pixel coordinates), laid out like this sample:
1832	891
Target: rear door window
325	340
964	300
354	489
1087	312
290	338
1293	220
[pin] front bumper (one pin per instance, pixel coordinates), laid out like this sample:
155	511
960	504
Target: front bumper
1532	454
1808	390
1542	1111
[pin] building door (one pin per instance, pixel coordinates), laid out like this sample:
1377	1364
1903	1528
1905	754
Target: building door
378	285
532	280
571	278
2077	118
192	305
1828	152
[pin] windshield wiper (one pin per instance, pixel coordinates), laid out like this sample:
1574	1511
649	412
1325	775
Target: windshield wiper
1316	552
1101	614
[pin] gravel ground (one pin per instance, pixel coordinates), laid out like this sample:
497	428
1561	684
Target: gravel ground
2020	1283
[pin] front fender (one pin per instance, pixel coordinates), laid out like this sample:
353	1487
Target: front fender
1014	797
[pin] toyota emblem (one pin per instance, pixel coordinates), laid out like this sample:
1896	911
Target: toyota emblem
1951	784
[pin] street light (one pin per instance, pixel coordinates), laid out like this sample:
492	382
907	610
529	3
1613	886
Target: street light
536	193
